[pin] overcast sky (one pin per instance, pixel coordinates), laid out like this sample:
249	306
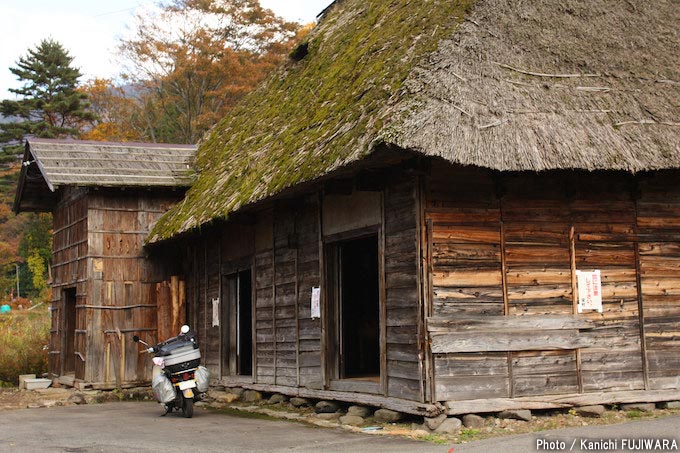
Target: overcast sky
88	29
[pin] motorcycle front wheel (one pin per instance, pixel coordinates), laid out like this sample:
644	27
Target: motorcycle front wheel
188	407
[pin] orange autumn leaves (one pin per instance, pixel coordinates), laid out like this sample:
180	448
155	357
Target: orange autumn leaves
187	64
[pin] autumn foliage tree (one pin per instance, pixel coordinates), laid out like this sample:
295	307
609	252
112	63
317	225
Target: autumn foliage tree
188	63
115	113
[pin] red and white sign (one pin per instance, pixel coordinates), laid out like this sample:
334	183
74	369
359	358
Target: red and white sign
589	291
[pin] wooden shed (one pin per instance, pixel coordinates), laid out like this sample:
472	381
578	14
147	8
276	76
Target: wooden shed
104	198
465	207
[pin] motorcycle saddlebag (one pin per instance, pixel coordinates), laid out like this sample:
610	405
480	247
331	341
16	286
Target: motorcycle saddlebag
202	376
163	390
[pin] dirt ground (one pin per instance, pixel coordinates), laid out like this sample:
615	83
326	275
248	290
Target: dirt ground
13	398
493	427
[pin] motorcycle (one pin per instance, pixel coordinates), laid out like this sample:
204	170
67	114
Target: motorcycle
178	379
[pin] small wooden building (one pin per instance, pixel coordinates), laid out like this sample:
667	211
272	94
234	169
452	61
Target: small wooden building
461	207
104	198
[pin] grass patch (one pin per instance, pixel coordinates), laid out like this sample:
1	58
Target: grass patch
246	414
434	438
634	414
23	335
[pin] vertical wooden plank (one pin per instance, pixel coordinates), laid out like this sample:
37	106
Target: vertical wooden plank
297	312
430	308
506	303
182	302
107	375
382	321
422	331
174	302
274	342
641	312
325	375
574	298
253	316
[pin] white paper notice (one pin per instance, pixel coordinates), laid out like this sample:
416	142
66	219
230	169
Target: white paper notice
316	303
589	291
216	312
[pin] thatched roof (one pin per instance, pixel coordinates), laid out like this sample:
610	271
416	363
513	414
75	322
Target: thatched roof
51	164
508	85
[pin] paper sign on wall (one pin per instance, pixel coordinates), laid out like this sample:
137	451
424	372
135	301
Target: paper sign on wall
316	302
589	291
216	312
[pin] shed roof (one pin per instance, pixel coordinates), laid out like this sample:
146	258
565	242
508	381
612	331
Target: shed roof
508	85
49	164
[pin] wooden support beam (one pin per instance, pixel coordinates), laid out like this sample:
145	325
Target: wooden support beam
395	404
521	340
441	324
559	401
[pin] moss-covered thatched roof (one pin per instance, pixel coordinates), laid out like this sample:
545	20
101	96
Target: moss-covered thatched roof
501	84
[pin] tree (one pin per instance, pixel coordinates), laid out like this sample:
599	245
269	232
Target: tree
116	113
50	105
192	60
35	248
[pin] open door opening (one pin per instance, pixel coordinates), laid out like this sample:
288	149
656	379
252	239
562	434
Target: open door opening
355	279
237	328
69	352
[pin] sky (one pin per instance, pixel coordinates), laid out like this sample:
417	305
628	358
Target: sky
89	30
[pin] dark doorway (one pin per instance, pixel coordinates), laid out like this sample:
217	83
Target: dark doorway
69	353
357	292
237	327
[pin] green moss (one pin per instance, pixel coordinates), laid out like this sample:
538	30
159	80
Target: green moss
318	113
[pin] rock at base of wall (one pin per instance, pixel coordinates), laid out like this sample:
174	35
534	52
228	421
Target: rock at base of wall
449	426
278	398
299	402
251	396
521	414
360	411
670	405
387	416
326	407
352	420
590	411
77	398
473	421
433	423
642	407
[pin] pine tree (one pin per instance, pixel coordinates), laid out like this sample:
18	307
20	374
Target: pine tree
50	106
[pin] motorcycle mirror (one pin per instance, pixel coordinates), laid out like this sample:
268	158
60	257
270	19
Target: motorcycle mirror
185	329
135	339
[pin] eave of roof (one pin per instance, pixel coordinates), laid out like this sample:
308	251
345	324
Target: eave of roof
100	164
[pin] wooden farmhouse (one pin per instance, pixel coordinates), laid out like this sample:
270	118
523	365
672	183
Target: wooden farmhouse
450	207
104	198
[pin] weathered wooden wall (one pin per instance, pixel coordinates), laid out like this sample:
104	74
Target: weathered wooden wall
404	336
68	271
128	293
509	246
98	250
285	256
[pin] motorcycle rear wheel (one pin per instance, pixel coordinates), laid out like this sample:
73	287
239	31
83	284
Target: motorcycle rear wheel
188	407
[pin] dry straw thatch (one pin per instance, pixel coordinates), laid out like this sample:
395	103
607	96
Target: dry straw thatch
501	84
